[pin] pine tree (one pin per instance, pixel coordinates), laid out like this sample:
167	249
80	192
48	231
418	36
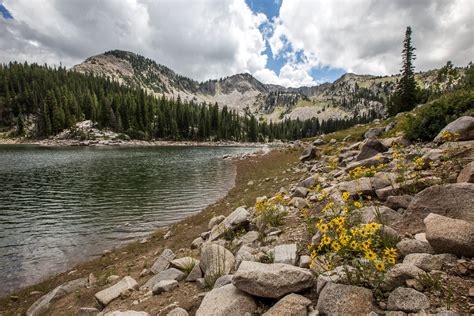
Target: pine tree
405	96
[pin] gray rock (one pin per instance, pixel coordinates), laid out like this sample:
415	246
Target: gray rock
334	276
235	220
163	261
407	246
399	140
354	187
369	162
87	311
407	300
42	305
398	201
215	220
451	200
309	182
467	173
178	311
464	126
112	278
339	299
195	274
292	304
286	254
379	214
298	202
447	235
424	261
164	286
201	283
319	142
309	153
398	274
271	280
305	261
216	261
223	280
300	192
374	132
107	295
245	253
168	274
250	238
370	148
197	243
226	300
185	263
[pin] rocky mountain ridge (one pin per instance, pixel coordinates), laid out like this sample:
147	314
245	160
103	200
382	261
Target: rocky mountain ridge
348	96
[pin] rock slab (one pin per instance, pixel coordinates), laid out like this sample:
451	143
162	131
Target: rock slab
107	295
407	300
339	299
226	300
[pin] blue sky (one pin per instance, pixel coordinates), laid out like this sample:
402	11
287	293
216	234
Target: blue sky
4	12
271	8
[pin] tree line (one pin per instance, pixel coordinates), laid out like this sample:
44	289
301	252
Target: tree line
57	99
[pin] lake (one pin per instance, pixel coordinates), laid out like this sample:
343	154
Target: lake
62	206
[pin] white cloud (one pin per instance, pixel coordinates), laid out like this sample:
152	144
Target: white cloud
366	36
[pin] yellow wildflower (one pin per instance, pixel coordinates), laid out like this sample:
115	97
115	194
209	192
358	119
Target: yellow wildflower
354	245
391	260
357	204
390	252
323	227
372	226
336	246
370	255
345	196
380	266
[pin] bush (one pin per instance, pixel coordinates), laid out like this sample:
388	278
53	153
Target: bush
432	118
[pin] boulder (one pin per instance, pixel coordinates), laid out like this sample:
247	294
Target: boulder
467	173
399	140
178	311
374	132
319	142
292	304
168	274
407	246
447	235
87	311
238	218
197	243
245	253
286	254
463	126
271	280
309	153
370	148
334	276
163	261
369	162
379	214
164	286
196	273
451	200
107	295
354	187
184	264
309	182
43	303
215	220
298	202
300	192
339	299
216	261
398	274
226	300
223	280
398	201
407	300
250	238
305	261
426	261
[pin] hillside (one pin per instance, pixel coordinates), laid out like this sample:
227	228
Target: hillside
350	95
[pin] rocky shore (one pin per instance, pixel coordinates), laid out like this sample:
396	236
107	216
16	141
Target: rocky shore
380	226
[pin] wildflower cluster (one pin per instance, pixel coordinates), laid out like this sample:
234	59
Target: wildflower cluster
447	136
272	210
362	171
345	241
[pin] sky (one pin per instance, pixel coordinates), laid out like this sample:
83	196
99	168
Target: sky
286	42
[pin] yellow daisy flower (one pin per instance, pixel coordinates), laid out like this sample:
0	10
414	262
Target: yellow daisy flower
380	266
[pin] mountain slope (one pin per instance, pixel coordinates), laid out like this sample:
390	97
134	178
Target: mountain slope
348	96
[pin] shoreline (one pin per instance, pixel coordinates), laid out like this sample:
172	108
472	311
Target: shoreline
181	233
52	142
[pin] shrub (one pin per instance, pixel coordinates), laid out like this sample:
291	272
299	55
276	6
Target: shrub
432	118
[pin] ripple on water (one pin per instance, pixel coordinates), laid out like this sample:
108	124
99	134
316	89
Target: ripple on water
60	206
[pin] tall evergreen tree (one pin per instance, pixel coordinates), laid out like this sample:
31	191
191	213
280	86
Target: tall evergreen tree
405	97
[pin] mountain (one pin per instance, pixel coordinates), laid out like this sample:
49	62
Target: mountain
350	95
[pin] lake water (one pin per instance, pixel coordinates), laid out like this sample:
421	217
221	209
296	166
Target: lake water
61	206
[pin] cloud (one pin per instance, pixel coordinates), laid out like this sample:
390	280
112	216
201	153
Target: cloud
201	39
366	36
